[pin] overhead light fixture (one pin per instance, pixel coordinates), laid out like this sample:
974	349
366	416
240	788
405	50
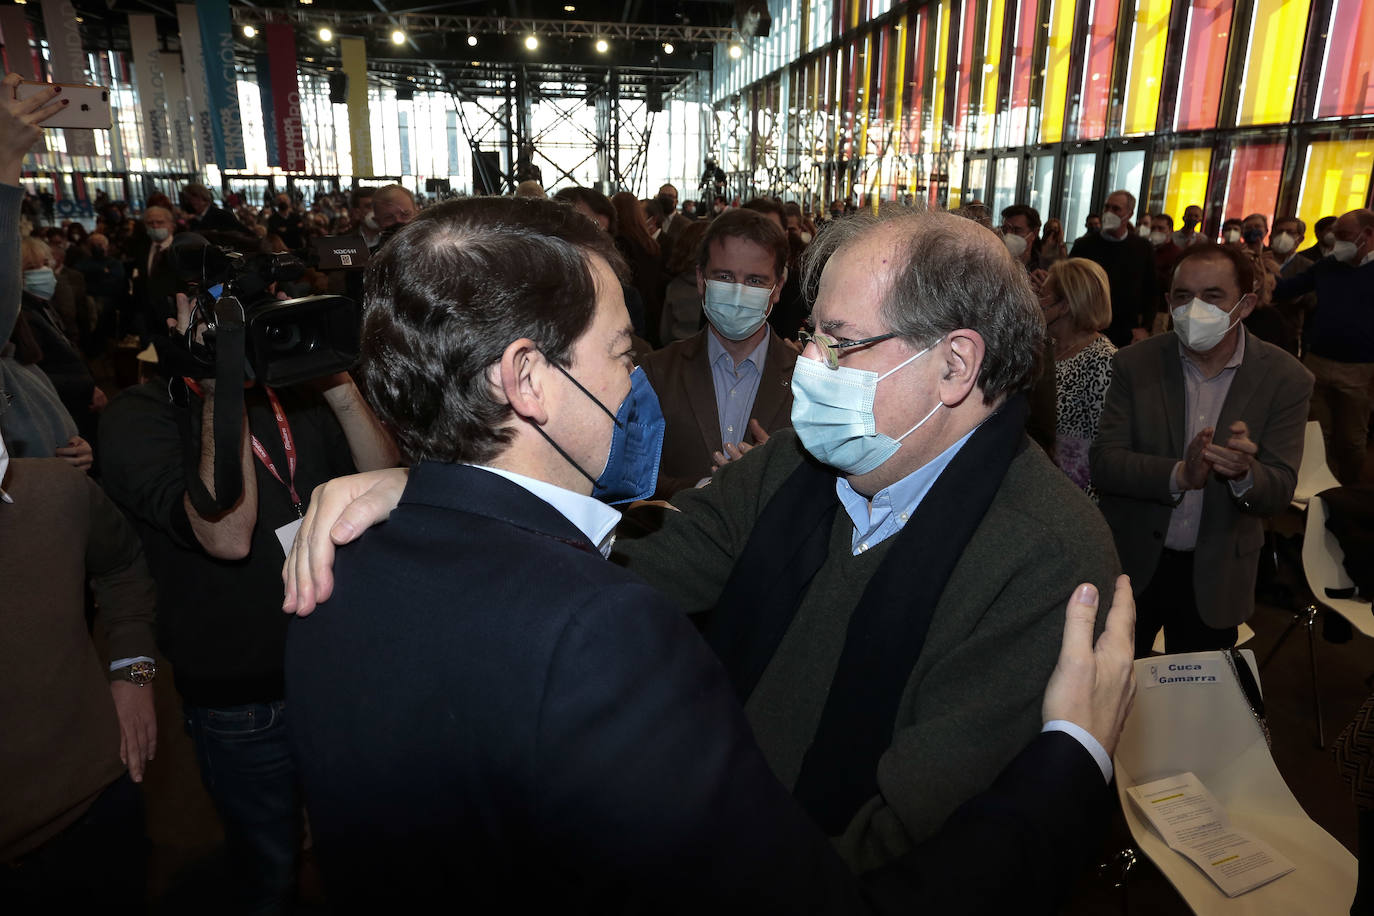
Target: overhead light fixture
667	47
532	42
306	2
601	46
326	34
250	32
735	52
398	37
569	8
472	41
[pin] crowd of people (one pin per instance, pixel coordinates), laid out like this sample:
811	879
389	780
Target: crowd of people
861	482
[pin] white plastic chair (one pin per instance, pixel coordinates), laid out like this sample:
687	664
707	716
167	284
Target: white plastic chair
1314	475
1208	728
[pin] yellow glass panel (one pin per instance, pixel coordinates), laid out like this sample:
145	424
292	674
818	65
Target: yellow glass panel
1271	70
1150	34
1335	178
1187	185
937	110
992	57
897	90
865	105
1057	71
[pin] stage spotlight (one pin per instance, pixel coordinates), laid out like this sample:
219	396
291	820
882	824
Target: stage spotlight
326	35
472	41
398	37
531	42
735	52
667	47
601	46
250	32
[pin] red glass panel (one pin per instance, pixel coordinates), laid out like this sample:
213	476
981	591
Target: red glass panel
1097	73
917	36
1209	28
851	96
1347	86
1256	170
1023	58
965	64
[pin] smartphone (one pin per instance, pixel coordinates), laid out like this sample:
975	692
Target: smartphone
89	105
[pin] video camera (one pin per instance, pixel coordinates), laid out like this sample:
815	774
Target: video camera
245	330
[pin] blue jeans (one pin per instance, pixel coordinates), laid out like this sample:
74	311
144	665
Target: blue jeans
246	766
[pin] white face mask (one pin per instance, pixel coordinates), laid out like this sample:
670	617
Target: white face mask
1283	243
1015	244
1202	325
1329	240
1232	235
805	238
1110	222
734	309
370	221
1344	251
1143	231
158	233
1158	238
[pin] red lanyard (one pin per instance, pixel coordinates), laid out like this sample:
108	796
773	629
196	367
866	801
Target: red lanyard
288	444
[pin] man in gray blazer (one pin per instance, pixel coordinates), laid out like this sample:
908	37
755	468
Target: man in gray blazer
1200	438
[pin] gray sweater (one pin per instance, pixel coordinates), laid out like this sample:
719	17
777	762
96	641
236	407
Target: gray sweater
974	695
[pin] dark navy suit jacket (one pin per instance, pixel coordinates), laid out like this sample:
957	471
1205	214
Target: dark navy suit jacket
489	714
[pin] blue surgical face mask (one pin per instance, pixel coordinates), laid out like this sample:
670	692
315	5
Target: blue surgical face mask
631	470
734	309
832	412
41	282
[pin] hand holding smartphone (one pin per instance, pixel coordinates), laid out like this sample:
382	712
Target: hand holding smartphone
86	106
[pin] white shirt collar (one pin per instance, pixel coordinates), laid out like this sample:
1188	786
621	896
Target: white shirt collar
592	517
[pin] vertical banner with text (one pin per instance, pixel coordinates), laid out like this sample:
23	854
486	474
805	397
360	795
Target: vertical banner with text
286	96
221	81
178	109
194	61
354	53
263	64
14	31
152	88
69	64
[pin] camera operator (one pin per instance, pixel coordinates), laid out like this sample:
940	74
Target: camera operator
219	588
286	222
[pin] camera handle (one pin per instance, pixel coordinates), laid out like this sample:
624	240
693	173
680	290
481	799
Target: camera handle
229	330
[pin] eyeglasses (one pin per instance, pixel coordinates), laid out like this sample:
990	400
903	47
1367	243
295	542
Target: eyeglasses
830	347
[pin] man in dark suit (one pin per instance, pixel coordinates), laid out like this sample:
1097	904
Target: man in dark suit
205	216
1200	440
524	723
1323	238
1129	261
726	389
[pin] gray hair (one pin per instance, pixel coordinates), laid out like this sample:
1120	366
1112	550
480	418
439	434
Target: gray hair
1129	196
948	273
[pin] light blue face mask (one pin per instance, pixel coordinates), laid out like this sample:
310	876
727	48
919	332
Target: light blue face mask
41	282
734	309
832	412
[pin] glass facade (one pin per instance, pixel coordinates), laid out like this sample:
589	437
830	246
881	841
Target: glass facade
1239	106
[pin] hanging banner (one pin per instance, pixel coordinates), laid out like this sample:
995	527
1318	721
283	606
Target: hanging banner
354	52
178	109
217	43
194	62
263	65
286	95
69	65
152	89
14	32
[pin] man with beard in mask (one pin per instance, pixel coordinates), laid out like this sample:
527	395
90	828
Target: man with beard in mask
1186	480
1129	261
1191	233
725	389
1339	341
524	723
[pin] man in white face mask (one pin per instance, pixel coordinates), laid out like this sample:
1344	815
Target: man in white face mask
1129	261
1186	479
1339	340
726	389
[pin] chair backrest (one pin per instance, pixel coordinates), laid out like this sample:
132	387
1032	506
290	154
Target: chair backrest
1191	715
1323	563
1314	475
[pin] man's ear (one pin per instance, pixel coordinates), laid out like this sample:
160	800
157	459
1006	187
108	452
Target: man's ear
701	283
1247	305
963	362
519	379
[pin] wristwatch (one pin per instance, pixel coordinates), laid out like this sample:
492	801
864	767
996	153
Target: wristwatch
140	674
